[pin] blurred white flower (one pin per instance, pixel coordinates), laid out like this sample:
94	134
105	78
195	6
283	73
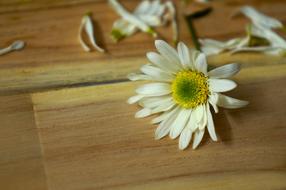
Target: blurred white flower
260	19
260	37
147	14
87	27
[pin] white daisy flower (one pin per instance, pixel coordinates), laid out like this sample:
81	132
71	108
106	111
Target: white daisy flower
147	14
260	37
182	92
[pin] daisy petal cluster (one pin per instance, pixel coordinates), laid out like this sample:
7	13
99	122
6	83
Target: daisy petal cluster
260	37
146	16
182	92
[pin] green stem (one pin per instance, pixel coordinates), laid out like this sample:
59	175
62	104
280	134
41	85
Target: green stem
193	32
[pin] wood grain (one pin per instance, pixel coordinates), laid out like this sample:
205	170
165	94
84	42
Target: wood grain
21	165
54	58
91	140
83	138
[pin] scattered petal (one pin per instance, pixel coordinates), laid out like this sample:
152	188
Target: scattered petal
259	18
130	17
87	26
15	46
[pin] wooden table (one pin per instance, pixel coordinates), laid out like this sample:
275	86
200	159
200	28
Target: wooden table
65	124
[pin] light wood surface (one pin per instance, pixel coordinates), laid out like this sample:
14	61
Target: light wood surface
89	136
21	163
83	135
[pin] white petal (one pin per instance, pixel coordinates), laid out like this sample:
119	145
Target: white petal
185	138
192	124
213	99
198	138
142	8
263	49
152	102
274	39
199	113
154	89
131	18
161	117
201	63
15	46
179	123
82	42
212	43
194	55
224	71
136	77
143	113
231	103
156	73
162	63
164	127
202	124
155	5
221	85
210	124
90	34
164	107
259	18
134	99
183	52
151	20
168	52
211	47
122	28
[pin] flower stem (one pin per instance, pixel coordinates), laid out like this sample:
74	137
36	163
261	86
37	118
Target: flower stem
193	32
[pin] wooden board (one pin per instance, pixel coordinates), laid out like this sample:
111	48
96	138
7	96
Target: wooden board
54	58
83	138
21	163
91	140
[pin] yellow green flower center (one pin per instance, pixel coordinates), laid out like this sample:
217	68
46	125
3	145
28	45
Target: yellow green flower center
190	89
